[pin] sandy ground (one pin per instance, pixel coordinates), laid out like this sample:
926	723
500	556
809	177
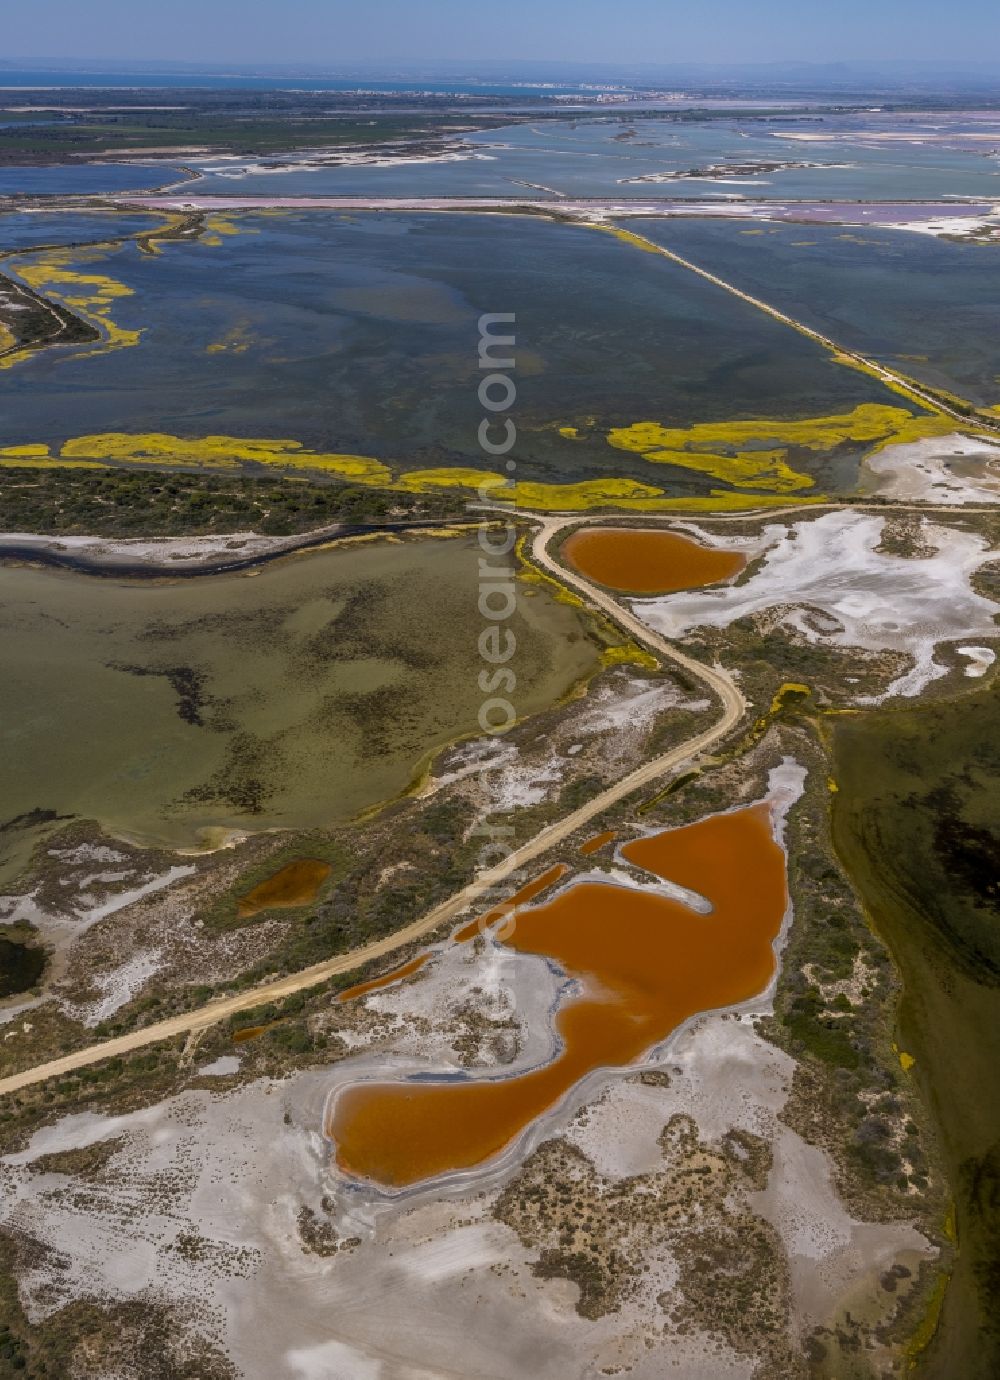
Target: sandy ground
980	660
872	600
200	1206
608	729
201	1202
174	553
96	883
947	469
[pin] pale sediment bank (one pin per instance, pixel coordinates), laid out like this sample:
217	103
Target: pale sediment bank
866	597
218	554
610	1013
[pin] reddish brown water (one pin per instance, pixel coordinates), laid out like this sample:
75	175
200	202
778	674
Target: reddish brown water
597	842
647	562
297	884
520	898
395	975
645	964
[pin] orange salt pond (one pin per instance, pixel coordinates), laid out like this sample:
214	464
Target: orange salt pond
638	561
644	964
297	884
394	975
520	898
597	842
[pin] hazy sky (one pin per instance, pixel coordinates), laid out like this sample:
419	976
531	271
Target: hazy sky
328	32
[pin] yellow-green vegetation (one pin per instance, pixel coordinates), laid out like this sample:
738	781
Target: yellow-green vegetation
45	462
916	823
788	693
616	652
924	1334
788	696
215	227
230	452
629	654
60	274
11	356
218	452
236	341
725	450
92	296
637	241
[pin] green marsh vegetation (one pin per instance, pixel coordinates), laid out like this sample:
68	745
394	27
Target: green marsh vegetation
239	122
115	502
917	824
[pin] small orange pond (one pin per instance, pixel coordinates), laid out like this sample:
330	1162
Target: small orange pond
595	844
638	561
405	970
297	884
644	964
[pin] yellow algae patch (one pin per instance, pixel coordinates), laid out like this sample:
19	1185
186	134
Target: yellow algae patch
588	493
362	468
39	451
235	342
928	1326
906	1060
629	654
152	241
227	452
919	429
13	357
627	237
790	690
867	422
221	451
572	433
451	477
703	447
92	296
754	469
950	1226
7	338
832	786
42	463
601	493
610	492
530	575
217	226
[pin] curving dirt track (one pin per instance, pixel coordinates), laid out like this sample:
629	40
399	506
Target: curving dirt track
714	678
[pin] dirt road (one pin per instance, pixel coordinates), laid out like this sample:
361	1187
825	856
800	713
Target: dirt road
716	679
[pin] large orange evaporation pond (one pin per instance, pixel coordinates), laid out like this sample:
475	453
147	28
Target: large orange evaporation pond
639	561
645	964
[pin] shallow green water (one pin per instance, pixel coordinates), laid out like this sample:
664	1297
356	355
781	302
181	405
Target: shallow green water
360	334
295	696
917	822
